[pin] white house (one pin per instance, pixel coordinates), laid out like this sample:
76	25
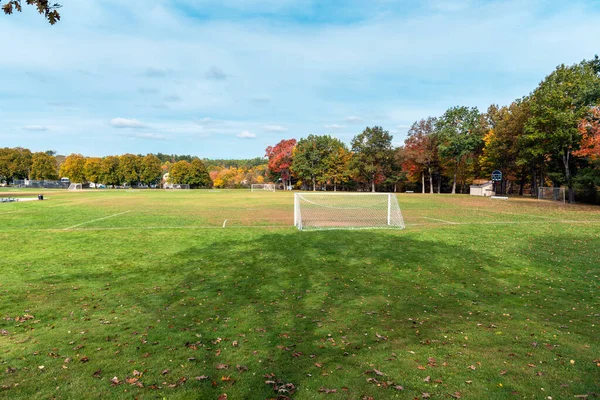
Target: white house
482	188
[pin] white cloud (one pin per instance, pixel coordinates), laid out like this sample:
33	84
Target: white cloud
275	128
36	128
150	136
334	126
127	123
246	135
353	119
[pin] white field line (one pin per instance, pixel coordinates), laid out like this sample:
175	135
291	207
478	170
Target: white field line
225	223
97	219
133	228
441	220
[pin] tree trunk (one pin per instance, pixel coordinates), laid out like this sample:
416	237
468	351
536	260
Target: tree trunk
430	182
373	184
314	182
439	183
454	180
334	185
566	159
522	182
423	182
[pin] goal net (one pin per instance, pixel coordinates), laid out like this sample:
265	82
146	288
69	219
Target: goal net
75	186
552	193
262	187
347	211
177	186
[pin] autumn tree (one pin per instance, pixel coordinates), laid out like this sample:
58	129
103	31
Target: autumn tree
43	166
150	169
420	150
589	127
459	135
558	105
109	171
45	7
74	168
179	172
93	169
503	148
15	163
373	154
280	158
129	167
337	164
198	176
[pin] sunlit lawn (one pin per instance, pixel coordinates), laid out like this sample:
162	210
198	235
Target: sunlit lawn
145	295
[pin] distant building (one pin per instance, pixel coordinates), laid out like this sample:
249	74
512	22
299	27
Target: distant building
482	187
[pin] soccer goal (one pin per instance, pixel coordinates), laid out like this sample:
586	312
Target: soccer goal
347	211
177	186
75	186
552	193
262	187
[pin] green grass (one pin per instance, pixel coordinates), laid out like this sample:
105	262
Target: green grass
493	300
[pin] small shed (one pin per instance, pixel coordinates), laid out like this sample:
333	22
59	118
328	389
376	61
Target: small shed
482	188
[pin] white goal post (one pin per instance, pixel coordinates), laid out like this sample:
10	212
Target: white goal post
262	187
552	193
177	186
75	186
347	211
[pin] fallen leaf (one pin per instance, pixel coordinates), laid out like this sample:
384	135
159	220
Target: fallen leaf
165	371
327	391
398	387
201	378
456	395
223	396
427	379
472	367
222	366
84	359
97	373
425	396
241	368
115	381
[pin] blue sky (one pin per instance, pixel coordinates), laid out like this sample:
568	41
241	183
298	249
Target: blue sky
225	79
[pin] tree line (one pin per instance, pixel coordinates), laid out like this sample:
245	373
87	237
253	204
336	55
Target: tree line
550	137
124	170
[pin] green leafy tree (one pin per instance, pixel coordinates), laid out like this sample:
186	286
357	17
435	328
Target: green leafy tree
373	154
109	171
310	158
48	9
179	172
198	176
93	169
459	135
129	167
74	168
150	169
558	105
43	166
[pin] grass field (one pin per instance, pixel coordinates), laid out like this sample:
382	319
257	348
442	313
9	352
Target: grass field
196	294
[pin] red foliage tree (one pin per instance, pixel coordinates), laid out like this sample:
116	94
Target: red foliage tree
280	158
590	130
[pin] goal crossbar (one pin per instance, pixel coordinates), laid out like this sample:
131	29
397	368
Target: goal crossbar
262	187
347	211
